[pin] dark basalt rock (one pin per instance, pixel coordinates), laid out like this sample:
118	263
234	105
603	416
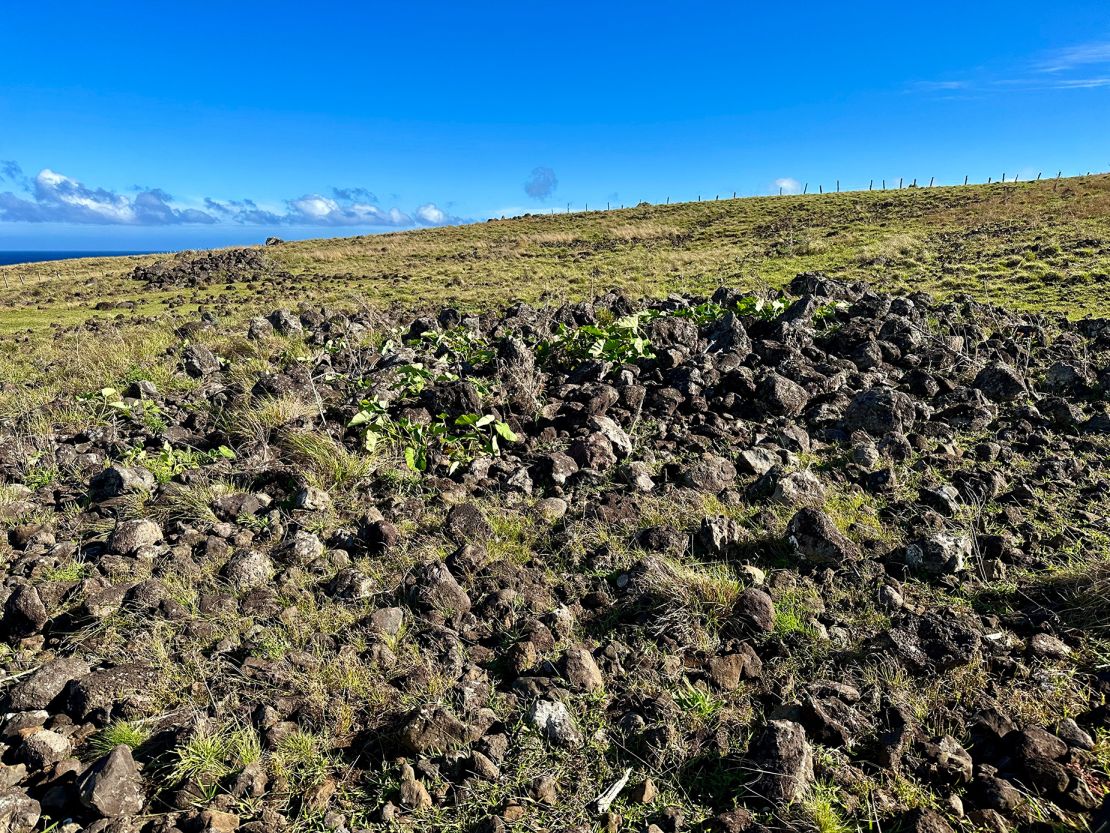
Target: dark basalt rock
766	530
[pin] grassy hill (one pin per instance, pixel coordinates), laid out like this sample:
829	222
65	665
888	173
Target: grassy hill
1033	246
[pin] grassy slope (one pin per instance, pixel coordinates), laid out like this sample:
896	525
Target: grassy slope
1031	245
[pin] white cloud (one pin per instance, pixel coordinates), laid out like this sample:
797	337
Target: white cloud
60	190
1084	54
787	185
431	214
1082	83
315	207
1078	67
52	197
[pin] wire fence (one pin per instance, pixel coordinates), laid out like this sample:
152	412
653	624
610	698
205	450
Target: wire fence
803	189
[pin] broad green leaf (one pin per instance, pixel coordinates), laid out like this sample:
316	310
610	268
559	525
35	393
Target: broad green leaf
507	433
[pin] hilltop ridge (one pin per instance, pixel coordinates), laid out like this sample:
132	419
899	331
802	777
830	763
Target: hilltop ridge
1032	245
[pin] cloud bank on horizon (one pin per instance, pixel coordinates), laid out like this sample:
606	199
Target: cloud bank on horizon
52	197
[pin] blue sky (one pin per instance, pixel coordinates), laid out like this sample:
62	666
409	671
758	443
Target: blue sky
161	125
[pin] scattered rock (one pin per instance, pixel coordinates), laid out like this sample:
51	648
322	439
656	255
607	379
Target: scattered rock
552	720
880	411
130	537
756	610
783	761
816	538
112	787
248	569
19	813
1000	382
581	670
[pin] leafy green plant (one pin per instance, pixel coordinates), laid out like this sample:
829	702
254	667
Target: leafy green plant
459	344
619	342
255	523
761	308
702	314
108	401
413	378
478	433
169	462
824	317
105	402
376	423
829	310
461	439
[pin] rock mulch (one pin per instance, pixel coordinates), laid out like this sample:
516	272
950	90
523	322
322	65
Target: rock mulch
462	572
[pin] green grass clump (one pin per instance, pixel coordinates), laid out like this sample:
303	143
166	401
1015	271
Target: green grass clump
302	757
823	809
117	733
697	701
793	614
211	755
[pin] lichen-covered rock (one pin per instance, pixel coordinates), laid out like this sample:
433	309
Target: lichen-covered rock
783	761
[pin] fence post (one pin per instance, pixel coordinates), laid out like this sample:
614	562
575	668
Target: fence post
914	182
838	186
1003	176
965	179
780	190
1038	176
988	180
806	188
899	183
884	184
820	189
870	185
734	195
931	181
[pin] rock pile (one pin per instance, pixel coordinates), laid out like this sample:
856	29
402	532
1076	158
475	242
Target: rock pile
190	269
461	572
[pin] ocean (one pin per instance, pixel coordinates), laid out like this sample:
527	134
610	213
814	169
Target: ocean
8	258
